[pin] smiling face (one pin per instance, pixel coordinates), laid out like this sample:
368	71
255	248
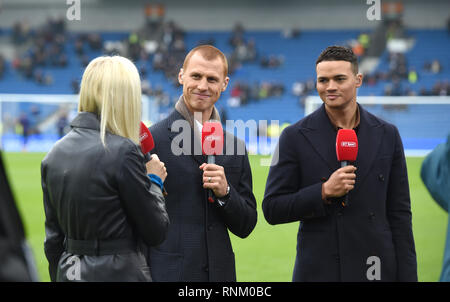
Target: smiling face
203	81
337	83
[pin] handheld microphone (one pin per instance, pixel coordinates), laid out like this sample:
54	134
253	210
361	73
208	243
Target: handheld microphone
346	150
212	144
146	139
147	144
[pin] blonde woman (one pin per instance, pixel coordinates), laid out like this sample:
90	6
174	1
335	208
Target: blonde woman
99	201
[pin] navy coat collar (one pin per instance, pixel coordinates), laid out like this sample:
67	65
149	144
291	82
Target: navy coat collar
319	131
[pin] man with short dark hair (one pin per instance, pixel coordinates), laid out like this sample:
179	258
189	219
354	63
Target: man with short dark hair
370	238
198	246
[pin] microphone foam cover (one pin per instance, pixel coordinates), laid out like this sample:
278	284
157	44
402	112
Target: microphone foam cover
146	139
212	138
346	145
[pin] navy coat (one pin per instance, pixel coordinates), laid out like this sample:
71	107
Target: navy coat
336	243
198	247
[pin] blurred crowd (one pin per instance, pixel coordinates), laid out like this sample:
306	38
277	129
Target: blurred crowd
243	93
162	43
245	50
301	89
45	46
399	73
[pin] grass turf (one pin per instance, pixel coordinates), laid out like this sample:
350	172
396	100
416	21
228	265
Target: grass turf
268	254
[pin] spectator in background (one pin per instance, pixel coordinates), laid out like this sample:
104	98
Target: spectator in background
251	51
409	92
435	174
397	65
264	90
21	32
146	87
358	49
84	60
42	78
79	49
233	63
446	84
241	51
254	91
244	52
364	41
75	84
448	25
272	61
24	122
441	88
2	66
370	79
291	33
34	119
62	124
235	96
412	76
423	91
134	46
434	66
388	90
237	35
302	89
95	41
298	88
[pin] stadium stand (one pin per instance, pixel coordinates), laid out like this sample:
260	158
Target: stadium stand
271	85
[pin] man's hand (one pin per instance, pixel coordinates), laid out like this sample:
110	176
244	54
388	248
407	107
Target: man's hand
214	179
340	182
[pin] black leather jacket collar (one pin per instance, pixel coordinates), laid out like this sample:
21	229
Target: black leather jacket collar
86	120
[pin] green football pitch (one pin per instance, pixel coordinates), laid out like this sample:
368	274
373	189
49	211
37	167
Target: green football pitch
268	253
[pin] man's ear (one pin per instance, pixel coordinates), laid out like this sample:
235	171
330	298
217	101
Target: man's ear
359	79
225	84
180	76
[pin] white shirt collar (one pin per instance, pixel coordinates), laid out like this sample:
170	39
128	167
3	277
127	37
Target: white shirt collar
199	126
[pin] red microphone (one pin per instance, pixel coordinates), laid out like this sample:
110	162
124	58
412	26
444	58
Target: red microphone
212	144
147	144
146	139
346	149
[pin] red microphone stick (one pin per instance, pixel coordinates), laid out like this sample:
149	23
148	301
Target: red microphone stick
212	144
346	149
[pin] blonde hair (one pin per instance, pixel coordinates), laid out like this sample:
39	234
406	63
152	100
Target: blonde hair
111	88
